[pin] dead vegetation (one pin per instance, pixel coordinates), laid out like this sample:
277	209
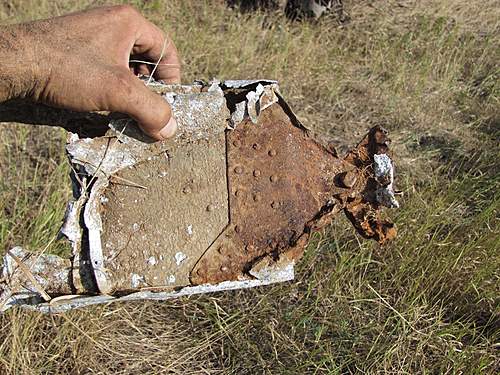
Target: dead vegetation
428	302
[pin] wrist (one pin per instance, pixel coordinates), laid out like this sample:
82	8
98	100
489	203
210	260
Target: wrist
19	68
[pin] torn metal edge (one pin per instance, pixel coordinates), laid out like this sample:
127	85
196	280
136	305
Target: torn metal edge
266	93
65	303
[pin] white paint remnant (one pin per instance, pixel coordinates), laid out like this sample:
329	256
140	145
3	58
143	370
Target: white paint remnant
180	257
152	261
104	199
135	227
136	280
384	173
171	279
382	166
189	229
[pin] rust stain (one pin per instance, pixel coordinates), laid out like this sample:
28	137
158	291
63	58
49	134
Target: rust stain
282	186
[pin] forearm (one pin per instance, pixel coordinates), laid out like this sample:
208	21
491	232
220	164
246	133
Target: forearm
18	65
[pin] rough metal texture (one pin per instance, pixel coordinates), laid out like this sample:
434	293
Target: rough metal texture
362	206
278	180
230	202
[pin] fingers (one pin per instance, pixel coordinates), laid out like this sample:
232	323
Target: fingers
127	94
156	47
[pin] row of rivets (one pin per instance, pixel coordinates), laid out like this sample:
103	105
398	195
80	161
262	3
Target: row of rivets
256	173
255	146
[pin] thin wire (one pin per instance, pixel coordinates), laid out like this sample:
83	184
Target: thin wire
151	63
158	62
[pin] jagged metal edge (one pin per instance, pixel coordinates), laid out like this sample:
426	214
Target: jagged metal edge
264	89
285	274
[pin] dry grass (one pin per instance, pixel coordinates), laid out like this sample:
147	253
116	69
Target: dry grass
428	303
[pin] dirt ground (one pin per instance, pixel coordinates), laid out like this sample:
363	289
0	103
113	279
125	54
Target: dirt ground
426	303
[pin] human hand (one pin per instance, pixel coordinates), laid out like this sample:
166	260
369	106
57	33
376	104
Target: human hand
81	62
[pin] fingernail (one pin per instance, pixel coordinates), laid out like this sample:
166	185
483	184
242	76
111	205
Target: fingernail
169	129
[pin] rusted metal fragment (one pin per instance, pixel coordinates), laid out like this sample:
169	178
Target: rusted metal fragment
372	188
279	179
229	202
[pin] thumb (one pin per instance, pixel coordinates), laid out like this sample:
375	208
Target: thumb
153	114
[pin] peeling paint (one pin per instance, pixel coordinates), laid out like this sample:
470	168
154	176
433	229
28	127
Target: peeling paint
136	280
180	257
152	261
384	173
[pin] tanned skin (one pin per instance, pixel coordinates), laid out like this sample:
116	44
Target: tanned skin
81	62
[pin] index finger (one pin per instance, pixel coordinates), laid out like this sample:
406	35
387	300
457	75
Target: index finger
158	48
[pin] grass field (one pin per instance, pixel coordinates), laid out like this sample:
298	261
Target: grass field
429	302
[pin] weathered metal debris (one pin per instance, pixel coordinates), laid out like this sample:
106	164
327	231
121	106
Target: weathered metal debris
229	202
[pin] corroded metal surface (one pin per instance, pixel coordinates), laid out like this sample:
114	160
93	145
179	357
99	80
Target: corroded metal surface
362	205
278	180
230	202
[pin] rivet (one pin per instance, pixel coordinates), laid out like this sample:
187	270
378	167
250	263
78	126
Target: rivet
257	197
256	146
236	143
256	173
272	152
273	178
238	170
238	193
237	229
249	248
224	269
274	204
220	249
186	190
210	207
